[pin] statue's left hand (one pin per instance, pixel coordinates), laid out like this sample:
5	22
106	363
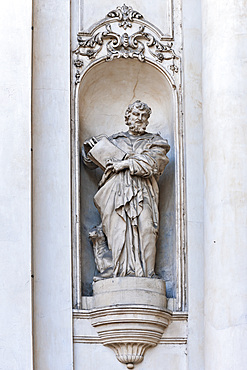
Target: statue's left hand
89	144
117	166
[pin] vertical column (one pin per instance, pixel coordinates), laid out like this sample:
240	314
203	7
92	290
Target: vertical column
194	179
51	186
225	173
15	185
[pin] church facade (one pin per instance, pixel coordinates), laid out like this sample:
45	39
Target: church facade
70	70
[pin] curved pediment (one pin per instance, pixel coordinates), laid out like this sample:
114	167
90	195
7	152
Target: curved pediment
124	33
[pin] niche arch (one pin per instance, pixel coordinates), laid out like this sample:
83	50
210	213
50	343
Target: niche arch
102	92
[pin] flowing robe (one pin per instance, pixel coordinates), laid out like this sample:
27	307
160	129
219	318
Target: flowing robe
128	204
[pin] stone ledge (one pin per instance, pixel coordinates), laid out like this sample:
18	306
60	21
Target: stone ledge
85	314
93	339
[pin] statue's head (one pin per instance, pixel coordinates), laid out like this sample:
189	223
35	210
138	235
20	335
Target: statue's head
136	116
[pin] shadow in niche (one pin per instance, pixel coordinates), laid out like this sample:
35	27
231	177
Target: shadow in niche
90	218
105	93
165	251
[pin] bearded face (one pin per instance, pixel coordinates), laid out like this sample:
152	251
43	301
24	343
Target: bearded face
138	120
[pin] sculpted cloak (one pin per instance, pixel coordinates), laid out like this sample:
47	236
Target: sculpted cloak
128	203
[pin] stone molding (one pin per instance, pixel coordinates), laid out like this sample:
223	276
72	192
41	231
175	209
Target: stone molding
167	339
93	339
86	315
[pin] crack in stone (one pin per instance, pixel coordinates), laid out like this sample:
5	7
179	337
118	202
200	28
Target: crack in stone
134	89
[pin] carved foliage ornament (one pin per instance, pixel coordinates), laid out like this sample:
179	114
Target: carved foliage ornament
125	14
123	45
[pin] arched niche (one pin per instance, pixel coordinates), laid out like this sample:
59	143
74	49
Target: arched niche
106	90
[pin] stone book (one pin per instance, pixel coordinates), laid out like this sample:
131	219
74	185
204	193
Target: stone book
103	151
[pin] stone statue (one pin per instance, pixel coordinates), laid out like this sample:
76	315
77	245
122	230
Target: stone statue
127	199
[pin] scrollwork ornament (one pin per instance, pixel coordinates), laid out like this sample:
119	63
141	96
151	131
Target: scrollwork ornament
105	42
89	44
125	46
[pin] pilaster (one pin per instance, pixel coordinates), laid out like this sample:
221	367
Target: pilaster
51	186
15	186
224	40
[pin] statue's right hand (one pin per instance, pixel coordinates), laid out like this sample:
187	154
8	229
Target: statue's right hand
90	143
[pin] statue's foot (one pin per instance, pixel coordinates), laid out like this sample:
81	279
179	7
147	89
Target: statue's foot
103	275
153	275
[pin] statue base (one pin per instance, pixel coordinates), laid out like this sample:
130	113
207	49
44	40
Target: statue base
130	290
130	315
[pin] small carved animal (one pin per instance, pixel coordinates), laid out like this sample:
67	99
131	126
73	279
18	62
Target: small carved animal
102	254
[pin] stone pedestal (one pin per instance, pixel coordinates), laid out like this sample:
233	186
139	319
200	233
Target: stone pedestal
130	290
130	315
